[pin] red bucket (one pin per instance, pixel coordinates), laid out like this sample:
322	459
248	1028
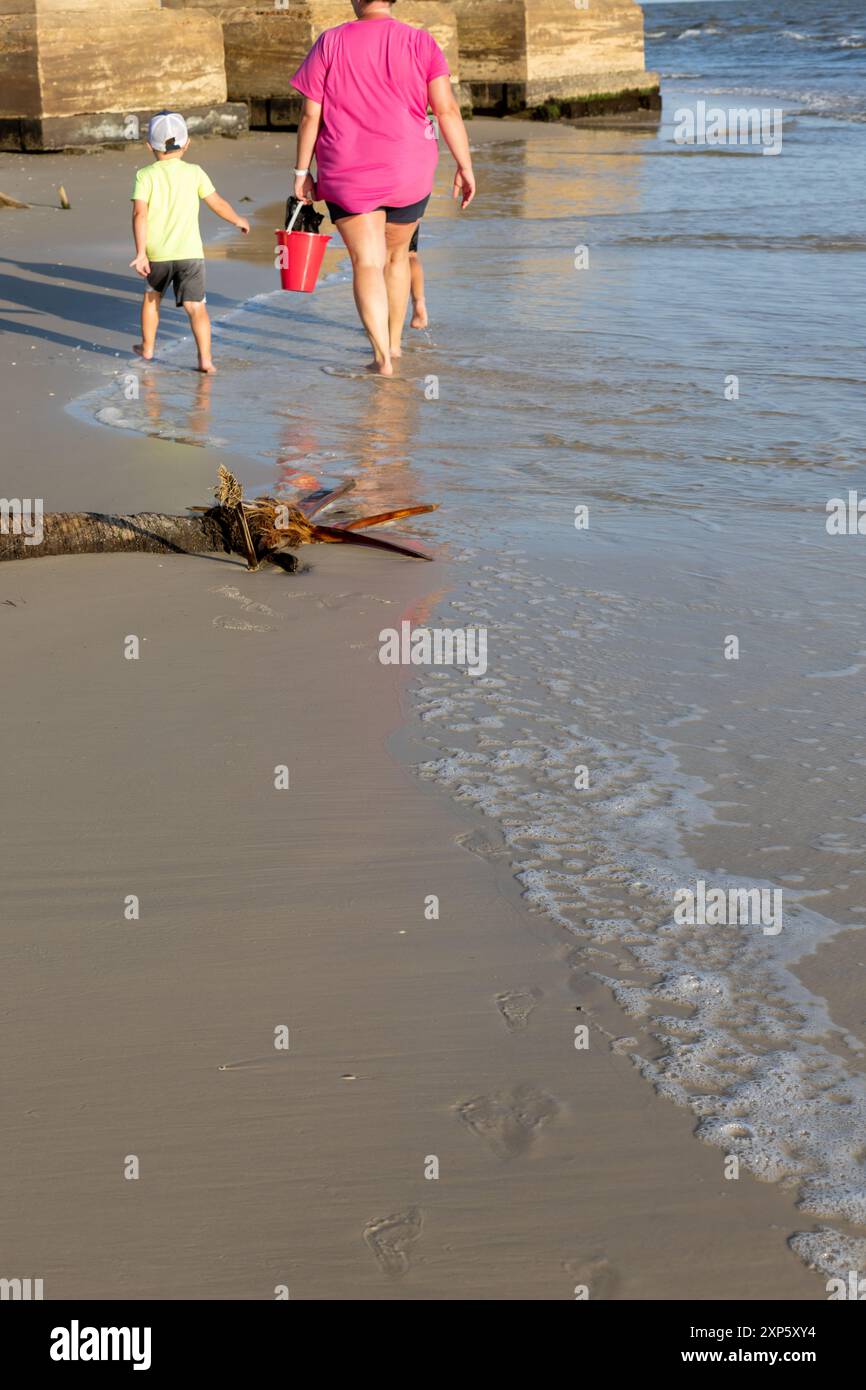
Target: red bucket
299	258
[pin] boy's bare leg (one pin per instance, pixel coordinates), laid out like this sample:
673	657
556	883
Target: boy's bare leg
419	307
149	325
200	324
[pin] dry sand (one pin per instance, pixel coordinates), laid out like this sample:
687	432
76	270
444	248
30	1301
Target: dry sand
410	1039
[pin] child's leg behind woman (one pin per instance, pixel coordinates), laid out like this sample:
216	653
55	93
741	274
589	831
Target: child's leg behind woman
416	270
419	304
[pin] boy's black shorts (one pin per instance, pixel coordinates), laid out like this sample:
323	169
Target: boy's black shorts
185	277
413	244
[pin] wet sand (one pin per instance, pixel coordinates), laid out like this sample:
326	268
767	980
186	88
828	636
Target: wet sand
410	1039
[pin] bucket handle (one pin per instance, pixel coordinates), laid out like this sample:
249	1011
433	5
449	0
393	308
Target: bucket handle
301	204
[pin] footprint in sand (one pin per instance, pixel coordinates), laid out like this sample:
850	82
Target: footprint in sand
484	845
508	1122
389	1238
516	1005
341	600
596	1275
267	1063
240	625
347	372
248	604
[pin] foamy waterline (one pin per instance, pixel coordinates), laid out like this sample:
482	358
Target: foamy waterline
747	1048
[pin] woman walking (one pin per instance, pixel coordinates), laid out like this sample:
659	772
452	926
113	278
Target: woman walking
366	87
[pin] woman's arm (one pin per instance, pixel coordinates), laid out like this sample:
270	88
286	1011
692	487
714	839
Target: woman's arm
308	133
447	113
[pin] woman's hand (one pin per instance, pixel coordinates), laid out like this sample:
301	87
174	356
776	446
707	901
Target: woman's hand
464	186
305	189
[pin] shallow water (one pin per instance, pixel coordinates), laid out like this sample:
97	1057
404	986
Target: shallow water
543	386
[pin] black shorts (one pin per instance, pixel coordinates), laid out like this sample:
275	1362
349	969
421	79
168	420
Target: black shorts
412	213
185	277
413	244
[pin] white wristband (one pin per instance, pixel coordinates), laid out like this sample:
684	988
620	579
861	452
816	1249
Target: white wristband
301	173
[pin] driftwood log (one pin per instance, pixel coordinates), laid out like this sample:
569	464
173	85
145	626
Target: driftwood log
92	533
264	531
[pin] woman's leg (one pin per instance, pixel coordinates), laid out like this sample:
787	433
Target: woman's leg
398	278
364	236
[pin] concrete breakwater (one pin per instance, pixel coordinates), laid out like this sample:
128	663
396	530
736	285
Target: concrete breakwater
73	75
89	72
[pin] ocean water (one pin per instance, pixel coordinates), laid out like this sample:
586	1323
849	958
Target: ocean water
811	55
669	336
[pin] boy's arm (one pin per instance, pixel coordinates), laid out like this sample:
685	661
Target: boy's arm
139	232
226	212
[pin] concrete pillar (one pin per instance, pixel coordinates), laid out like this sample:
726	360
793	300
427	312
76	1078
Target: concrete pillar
265	40
84	72
516	54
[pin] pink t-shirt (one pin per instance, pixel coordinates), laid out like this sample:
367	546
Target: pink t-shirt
376	145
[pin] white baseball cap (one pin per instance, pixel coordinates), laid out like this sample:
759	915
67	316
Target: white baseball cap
167	131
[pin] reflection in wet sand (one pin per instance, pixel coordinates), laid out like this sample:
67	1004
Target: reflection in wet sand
541	178
193	422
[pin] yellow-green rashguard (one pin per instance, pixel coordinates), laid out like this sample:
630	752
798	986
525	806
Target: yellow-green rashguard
172	190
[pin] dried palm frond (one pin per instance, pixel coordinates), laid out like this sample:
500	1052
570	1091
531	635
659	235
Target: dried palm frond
283	526
228	491
265	530
230	495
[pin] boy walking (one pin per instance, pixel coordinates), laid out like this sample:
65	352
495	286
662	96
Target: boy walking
168	248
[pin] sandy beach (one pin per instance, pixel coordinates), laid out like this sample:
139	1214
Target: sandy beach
302	908
411	1039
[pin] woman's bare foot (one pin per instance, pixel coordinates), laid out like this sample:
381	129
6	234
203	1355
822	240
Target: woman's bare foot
208	368
419	315
380	368
139	348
